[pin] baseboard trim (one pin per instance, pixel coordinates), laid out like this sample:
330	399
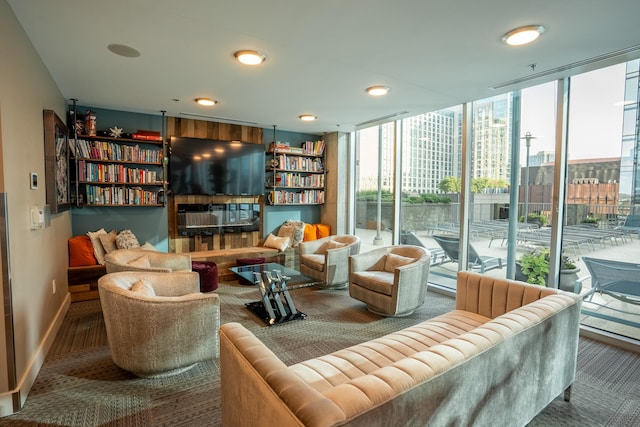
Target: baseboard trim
13	400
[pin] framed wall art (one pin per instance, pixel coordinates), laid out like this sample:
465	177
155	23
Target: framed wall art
56	162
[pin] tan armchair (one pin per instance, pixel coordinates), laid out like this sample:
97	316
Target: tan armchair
142	260
159	324
391	280
327	259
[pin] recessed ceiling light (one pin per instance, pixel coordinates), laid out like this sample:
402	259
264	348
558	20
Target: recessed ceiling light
377	90
124	50
307	117
523	35
250	57
207	102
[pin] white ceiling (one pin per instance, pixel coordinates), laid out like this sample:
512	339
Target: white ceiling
321	54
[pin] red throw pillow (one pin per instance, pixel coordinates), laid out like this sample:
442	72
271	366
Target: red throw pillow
81	252
323	230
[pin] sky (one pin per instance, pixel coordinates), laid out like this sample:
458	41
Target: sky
595	114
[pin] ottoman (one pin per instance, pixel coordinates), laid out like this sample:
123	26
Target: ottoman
248	261
208	271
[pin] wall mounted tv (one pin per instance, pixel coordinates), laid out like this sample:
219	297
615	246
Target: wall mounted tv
212	167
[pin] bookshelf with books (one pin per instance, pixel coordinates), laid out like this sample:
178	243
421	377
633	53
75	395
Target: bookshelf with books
296	175
113	171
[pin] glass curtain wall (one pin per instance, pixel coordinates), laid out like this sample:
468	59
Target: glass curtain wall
602	189
600	242
375	185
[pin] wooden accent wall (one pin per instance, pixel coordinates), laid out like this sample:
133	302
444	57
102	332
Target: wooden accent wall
225	132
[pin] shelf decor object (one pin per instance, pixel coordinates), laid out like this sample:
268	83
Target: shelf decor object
56	162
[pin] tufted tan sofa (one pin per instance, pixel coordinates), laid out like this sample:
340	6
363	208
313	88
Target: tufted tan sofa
505	352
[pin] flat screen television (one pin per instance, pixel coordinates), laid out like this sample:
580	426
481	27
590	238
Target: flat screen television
211	167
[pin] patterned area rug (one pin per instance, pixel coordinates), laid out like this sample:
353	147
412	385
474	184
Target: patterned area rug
80	386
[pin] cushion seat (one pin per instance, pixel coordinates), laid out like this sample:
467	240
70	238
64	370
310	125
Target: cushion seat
314	261
377	281
326	372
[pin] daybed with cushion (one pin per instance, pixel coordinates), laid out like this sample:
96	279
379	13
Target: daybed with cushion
142	260
159	324
505	352
327	259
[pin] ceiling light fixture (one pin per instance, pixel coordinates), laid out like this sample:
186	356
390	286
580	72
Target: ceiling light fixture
250	57
307	117
377	90
523	35
207	102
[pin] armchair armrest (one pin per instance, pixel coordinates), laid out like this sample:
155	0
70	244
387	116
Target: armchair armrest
312	246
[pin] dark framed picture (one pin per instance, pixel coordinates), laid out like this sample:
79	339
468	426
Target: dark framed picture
56	162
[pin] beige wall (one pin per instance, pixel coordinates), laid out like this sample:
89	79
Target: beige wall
36	257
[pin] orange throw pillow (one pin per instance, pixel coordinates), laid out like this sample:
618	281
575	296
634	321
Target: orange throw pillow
81	252
322	230
309	232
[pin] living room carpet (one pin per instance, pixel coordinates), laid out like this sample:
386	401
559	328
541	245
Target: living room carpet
80	386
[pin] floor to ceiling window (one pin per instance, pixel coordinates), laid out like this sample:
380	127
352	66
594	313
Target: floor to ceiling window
512	143
375	184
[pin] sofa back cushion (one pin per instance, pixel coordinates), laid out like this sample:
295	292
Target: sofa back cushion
492	297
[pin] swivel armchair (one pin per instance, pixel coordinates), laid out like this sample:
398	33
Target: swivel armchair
327	259
391	280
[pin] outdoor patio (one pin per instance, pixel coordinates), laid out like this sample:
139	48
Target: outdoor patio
491	241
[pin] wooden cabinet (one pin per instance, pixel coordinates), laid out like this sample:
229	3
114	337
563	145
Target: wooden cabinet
296	176
118	171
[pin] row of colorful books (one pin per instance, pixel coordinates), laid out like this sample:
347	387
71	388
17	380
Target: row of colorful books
297	197
114	173
296	180
104	150
96	195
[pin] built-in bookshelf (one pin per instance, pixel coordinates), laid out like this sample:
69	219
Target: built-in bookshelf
296	175
118	171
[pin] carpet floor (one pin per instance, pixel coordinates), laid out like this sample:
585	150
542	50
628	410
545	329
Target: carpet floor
79	385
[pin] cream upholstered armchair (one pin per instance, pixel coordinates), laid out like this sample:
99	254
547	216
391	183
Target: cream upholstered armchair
159	324
143	260
391	280
327	259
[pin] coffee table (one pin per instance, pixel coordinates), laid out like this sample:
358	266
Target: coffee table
274	281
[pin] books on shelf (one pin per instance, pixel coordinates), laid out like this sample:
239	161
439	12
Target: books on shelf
115	173
135	196
309	148
315	148
105	150
308	197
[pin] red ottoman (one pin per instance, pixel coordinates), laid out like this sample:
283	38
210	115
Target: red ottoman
208	271
248	261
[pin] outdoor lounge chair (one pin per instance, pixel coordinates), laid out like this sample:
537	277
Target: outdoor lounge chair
438	256
621	280
475	262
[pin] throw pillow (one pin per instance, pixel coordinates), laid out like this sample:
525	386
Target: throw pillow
394	261
309	232
323	230
142	262
81	252
143	287
98	249
108	241
279	243
332	244
148	247
127	240
294	230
